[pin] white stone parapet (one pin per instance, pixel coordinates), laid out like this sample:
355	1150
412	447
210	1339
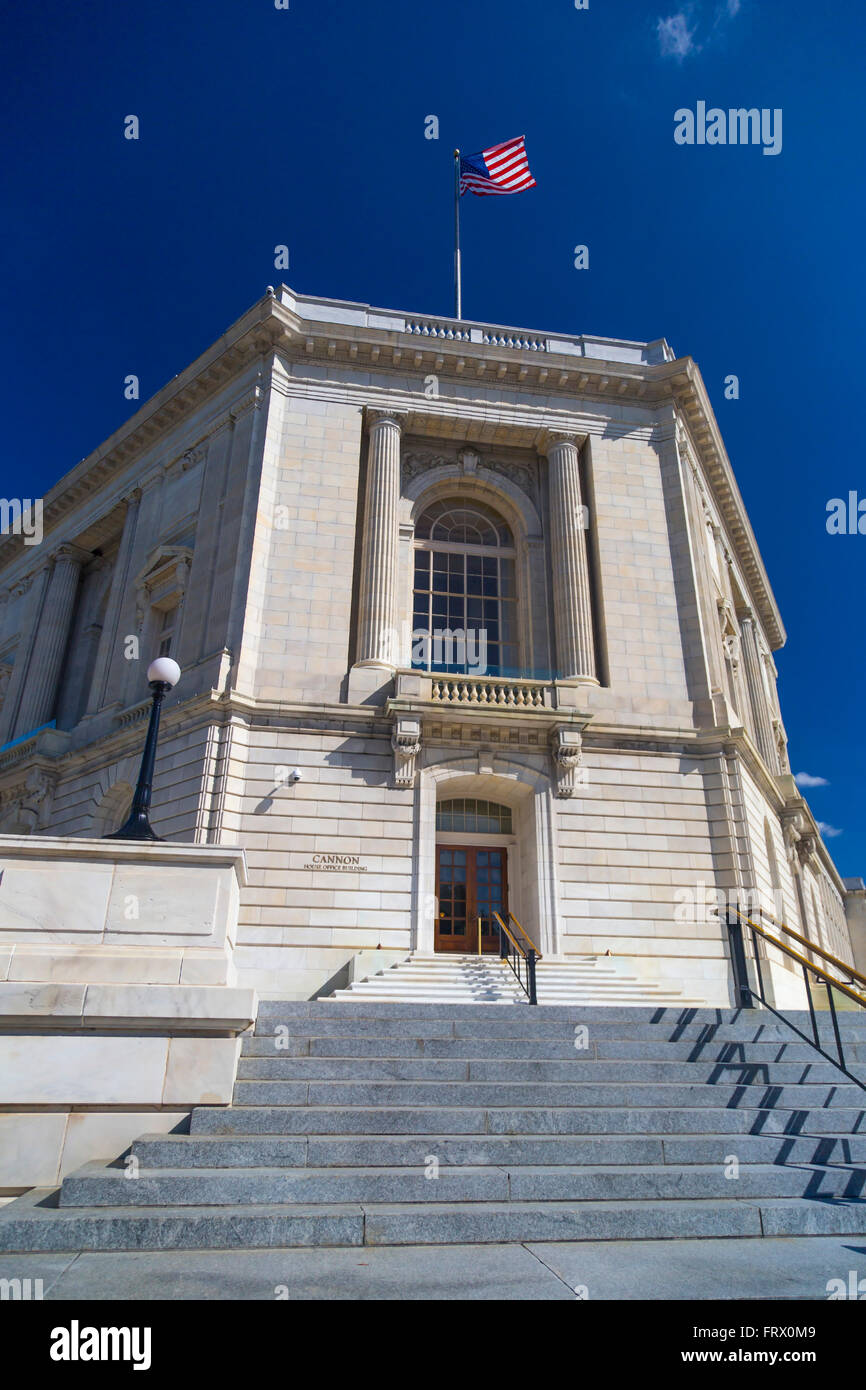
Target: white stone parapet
117	995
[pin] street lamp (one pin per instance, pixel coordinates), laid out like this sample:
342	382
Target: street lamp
162	674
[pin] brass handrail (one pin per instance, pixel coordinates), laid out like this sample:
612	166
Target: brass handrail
516	944
795	955
526	934
819	950
526	954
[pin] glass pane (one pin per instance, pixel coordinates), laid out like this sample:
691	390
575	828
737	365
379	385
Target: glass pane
467	815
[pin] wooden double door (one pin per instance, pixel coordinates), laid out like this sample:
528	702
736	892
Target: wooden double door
471	882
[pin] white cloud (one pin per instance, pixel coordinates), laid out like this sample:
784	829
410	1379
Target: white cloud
694	26
805	779
828	831
676	38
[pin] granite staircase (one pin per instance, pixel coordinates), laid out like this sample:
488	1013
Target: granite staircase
395	1124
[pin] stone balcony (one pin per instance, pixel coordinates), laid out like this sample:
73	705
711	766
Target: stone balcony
467	705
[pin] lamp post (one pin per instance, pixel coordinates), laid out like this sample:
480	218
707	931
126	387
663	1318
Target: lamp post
162	674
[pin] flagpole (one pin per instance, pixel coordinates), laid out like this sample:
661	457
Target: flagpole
458	293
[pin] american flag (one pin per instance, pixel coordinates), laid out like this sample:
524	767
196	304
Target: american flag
501	169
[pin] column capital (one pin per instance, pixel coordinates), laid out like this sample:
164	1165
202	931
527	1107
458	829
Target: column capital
551	439
68	550
382	415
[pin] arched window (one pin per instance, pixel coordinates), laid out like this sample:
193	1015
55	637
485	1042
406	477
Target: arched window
464	616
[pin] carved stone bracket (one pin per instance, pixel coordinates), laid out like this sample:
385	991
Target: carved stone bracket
800	841
406	743
567	754
781	741
793	824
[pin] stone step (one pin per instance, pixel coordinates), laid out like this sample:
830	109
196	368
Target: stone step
504	979
517	1120
497	996
472	978
27	1225
551	1093
34	1223
560	1221
96	1186
556	1048
503	975
525	1022
576	1068
296	1010
488	1150
326	1018
660	1038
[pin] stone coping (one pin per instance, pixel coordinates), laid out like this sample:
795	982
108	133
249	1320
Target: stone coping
27	1005
125	851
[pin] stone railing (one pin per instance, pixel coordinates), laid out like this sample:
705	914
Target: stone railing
458	332
430	329
489	692
495	339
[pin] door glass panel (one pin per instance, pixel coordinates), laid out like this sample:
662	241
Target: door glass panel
471	885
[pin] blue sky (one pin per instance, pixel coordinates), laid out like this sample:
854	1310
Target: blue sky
306	127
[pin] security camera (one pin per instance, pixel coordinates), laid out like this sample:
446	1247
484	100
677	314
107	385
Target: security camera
294	775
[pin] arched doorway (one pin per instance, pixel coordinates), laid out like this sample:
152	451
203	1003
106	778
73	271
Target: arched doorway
473	838
511	825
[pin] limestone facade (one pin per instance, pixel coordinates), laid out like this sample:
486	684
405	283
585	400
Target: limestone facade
265	519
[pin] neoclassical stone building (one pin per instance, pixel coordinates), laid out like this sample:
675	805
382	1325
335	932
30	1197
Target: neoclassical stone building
468	617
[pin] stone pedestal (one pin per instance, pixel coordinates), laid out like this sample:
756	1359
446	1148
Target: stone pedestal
118	1007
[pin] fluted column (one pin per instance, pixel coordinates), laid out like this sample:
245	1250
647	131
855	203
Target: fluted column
51	639
757	693
572	603
119	582
377	625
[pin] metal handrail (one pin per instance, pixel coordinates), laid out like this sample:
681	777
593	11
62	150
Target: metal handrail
812	946
527	956
735	921
802	960
525	934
